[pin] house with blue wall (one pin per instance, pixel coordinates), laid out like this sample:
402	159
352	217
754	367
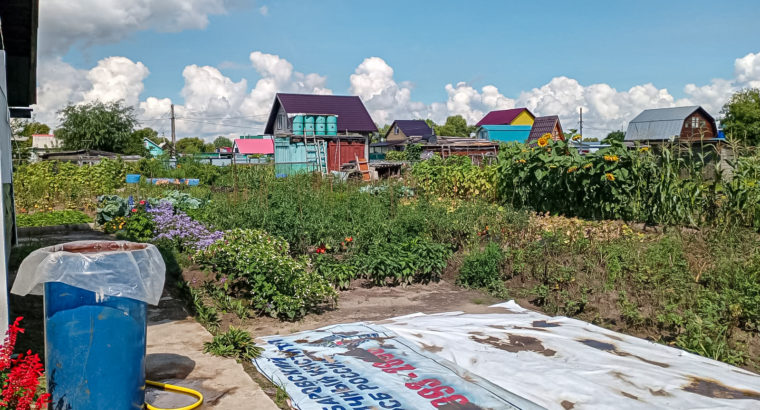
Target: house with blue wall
155	150
503	133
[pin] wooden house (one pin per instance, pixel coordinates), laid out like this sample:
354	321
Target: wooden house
404	130
318	132
503	133
546	125
514	116
689	125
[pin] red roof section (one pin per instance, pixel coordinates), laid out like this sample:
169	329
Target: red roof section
543	125
501	117
254	146
352	115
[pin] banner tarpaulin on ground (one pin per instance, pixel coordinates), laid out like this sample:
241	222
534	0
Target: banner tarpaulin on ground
362	366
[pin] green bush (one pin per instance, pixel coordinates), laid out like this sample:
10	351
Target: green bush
338	273
259	267
415	261
52	218
233	343
482	270
395	156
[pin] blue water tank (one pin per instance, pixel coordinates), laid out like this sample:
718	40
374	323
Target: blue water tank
308	125
298	125
94	349
133	178
320	125
332	125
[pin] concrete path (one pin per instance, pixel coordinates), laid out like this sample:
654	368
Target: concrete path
175	356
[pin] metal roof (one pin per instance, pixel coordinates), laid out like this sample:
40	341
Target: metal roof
545	125
505	133
502	117
254	146
661	123
350	110
412	128
19	41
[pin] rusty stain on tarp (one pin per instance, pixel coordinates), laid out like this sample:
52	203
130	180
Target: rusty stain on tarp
431	348
611	348
362	354
457	406
567	405
514	344
629	395
716	389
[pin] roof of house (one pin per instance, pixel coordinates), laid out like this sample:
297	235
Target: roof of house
502	117
662	123
543	125
350	110
412	128
254	146
151	142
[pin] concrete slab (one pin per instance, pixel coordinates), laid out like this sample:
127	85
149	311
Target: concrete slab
175	356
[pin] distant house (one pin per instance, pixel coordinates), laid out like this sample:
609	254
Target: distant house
86	156
224	150
247	146
318	132
503	133
546	125
514	116
403	130
678	124
45	141
154	149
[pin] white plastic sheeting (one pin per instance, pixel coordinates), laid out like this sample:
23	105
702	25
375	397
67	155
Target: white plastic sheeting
108	268
363	366
563	363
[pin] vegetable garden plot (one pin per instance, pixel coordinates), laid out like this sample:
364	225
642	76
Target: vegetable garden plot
512	358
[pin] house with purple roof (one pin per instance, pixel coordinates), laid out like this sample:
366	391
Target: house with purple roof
403	130
513	116
321	133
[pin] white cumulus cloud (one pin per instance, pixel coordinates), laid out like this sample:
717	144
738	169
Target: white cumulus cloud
65	23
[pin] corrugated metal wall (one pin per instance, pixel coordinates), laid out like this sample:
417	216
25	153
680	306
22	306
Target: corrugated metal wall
340	152
290	157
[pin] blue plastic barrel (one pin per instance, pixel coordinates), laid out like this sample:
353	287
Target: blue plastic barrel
94	349
320	125
298	125
133	178
332	125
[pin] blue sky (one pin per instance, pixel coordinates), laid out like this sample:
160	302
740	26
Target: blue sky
514	46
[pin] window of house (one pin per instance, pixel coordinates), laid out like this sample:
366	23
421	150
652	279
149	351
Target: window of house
695	122
395	130
279	122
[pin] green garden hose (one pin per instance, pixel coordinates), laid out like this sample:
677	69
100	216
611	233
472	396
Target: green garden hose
176	389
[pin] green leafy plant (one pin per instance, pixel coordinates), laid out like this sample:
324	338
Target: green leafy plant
258	266
338	273
233	343
416	260
52	218
110	207
482	270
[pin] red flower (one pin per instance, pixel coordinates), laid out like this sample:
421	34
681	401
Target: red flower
349	239
21	381
134	210
142	202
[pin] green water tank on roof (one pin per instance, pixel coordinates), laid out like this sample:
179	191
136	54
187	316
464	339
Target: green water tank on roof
319	127
332	125
298	125
308	125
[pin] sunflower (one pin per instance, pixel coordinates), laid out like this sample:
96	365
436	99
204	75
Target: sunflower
577	137
571	170
587	166
644	149
543	141
609	177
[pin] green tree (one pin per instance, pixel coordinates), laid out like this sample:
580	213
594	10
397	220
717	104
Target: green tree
148	133
741	116
190	145
26	128
98	125
618	135
209	147
455	126
221	141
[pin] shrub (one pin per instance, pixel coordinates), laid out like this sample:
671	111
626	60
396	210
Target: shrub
338	273
258	266
456	176
395	156
138	226
233	343
482	270
416	260
52	218
177	228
